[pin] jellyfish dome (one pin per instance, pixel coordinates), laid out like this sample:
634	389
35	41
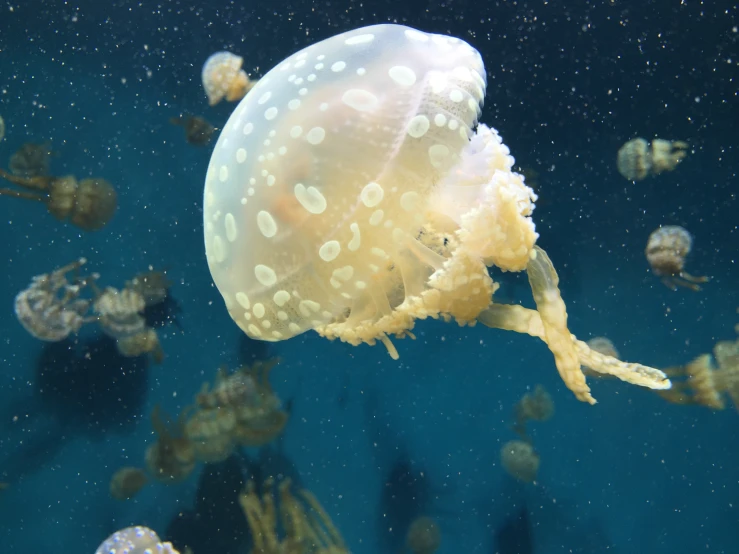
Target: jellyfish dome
223	77
319	186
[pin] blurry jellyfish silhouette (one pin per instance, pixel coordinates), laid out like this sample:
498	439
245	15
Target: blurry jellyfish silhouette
379	228
604	345
533	406
127	482
666	251
704	382
223	78
423	537
198	131
31	160
520	460
88	204
2	128
637	158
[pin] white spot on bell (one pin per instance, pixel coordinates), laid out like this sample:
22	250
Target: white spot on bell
265	275
310	198
230	223
266	224
402	75
360	99
329	250
372	195
315	135
418	126
438	154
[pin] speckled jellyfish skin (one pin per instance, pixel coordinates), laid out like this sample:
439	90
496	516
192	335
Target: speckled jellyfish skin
302	196
135	540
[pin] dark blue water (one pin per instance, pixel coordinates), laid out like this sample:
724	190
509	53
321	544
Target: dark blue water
568	83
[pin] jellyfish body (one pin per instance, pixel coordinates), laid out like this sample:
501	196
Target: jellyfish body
50	308
666	251
353	192
223	77
2	128
638	159
316	189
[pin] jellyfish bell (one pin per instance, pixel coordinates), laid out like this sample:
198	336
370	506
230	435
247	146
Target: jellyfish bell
666	251
338	149
223	77
352	192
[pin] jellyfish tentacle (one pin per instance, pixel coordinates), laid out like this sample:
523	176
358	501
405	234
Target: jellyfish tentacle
544	286
524	320
694	279
22	194
36	183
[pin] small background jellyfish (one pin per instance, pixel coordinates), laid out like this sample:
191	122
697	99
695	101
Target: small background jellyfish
707	379
519	457
666	251
638	159
424	536
31	160
223	78
88	204
2	128
198	131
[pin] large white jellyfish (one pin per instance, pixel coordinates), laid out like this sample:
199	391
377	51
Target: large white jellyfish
352	192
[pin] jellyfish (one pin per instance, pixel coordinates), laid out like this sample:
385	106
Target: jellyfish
119	312
423	537
120	315
223	78
172	457
604	345
31	160
666	251
2	128
637	158
537	406
88	204
127	482
135	540
281	521
353	192
152	285
520	460
198	131
50	308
